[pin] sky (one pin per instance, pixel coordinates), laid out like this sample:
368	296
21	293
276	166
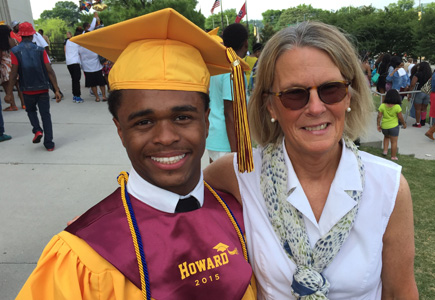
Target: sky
255	7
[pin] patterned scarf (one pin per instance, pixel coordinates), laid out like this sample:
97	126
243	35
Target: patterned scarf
288	223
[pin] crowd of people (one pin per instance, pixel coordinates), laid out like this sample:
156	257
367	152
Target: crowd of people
392	72
95	68
310	220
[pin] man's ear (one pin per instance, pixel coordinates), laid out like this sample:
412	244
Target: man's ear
118	128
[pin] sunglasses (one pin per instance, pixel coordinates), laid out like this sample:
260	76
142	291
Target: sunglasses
297	97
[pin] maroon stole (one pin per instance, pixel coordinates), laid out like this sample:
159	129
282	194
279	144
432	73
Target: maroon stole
193	255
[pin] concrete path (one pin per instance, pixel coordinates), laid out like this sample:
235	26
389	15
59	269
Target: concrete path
40	191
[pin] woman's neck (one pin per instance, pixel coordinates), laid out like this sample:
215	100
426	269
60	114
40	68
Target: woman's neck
317	166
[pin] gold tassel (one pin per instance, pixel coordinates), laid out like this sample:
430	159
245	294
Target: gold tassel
244	146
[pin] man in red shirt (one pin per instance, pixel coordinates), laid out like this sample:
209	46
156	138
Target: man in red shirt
14	33
32	64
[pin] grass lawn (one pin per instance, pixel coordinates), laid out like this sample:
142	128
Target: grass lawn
419	173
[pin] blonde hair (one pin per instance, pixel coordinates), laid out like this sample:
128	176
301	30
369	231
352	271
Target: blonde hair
323	37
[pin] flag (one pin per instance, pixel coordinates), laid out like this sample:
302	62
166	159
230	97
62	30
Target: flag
241	14
216	4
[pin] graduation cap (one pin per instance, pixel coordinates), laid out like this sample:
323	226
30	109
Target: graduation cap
214	34
165	51
220	247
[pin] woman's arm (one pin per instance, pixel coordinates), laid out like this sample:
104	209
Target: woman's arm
221	175
378	121
398	280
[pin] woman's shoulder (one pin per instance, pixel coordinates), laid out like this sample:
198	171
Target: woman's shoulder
378	164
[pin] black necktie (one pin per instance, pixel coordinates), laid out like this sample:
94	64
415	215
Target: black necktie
187	204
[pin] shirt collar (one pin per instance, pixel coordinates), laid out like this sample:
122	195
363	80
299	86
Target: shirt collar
159	198
347	177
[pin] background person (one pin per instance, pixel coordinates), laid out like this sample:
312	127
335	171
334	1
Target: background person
72	60
6	43
314	200
93	72
222	137
252	58
3	136
421	100
31	63
383	73
390	112
47	40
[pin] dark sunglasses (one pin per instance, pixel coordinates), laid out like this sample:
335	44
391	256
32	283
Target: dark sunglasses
297	97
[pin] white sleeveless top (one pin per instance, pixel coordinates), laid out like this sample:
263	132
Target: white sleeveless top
355	273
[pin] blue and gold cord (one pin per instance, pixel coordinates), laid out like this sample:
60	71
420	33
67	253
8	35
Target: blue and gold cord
232	219
137	239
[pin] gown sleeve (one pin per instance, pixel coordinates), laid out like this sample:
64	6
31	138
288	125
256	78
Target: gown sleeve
70	269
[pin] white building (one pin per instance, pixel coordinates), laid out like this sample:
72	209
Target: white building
15	10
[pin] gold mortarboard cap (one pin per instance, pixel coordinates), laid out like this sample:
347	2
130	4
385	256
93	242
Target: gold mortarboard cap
165	51
214	34
162	50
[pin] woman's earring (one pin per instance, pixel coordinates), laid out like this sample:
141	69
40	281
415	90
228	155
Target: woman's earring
272	120
348	109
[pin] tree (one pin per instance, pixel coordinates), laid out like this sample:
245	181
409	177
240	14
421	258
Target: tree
271	17
63	10
121	10
297	14
267	32
215	20
425	33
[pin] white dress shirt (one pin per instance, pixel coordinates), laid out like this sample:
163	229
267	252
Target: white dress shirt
355	272
159	198
89	60
72	53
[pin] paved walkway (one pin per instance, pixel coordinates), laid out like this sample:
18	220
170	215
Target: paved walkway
40	190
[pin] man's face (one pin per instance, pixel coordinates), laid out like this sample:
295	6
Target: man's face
164	133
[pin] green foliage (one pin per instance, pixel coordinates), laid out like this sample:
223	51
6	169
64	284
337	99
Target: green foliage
120	10
267	32
297	14
216	19
394	29
272	17
425	31
67	11
55	29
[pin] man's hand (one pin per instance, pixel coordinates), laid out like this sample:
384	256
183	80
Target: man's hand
58	97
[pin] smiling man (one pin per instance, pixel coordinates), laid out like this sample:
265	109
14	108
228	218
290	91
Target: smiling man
165	234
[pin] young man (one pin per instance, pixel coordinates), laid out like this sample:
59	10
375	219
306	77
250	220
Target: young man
163	234
222	137
32	64
15	26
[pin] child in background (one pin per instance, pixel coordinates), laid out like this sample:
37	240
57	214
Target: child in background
390	112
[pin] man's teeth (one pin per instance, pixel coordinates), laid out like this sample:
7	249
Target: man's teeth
168	160
320	127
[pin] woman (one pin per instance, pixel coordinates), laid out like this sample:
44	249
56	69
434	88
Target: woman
397	75
365	66
6	43
383	72
421	100
321	217
93	72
